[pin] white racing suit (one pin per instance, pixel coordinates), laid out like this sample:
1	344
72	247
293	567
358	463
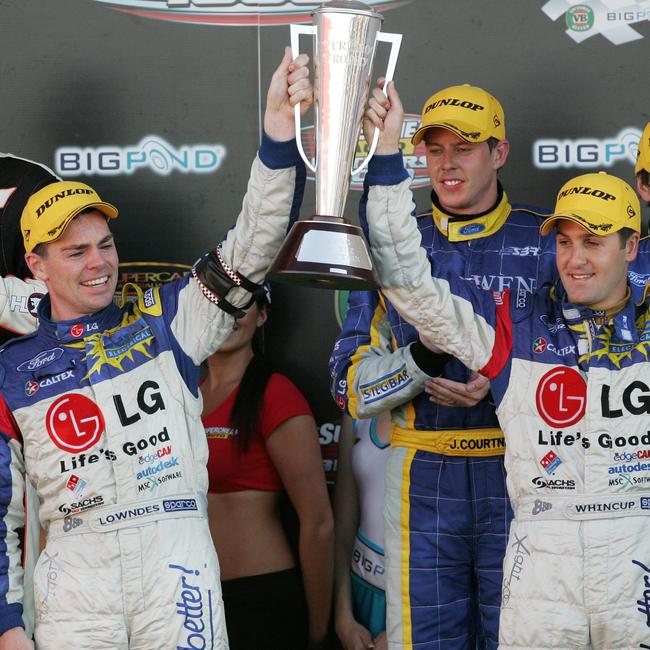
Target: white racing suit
574	402
103	414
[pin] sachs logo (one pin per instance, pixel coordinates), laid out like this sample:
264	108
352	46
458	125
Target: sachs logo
229	12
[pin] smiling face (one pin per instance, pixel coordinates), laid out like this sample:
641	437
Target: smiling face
593	268
463	174
80	268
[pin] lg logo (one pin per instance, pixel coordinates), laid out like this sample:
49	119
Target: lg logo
561	397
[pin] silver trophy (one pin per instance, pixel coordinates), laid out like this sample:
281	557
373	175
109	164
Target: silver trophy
326	250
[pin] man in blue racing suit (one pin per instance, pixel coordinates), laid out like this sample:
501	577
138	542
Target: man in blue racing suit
447	510
100	408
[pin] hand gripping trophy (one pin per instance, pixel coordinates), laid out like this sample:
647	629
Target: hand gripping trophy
326	250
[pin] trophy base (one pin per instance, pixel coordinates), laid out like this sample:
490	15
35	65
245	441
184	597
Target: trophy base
327	253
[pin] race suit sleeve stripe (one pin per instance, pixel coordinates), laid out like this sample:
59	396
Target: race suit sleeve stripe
456	315
12	522
370	373
249	248
18	300
503	341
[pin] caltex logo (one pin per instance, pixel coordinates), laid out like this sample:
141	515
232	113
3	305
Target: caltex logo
31	387
539	345
580	18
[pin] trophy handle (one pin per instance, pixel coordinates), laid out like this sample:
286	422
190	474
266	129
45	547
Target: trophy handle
395	41
296	31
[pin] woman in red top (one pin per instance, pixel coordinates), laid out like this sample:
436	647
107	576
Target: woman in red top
263	440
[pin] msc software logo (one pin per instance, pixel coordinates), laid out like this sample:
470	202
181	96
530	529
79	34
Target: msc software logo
230	12
152	153
587	153
611	18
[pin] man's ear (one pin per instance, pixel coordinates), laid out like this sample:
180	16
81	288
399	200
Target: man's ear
632	247
642	188
500	153
36	265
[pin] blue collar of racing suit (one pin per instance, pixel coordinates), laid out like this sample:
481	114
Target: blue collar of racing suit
68	331
464	227
623	321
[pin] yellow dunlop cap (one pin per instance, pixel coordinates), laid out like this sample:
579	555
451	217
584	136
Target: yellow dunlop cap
49	211
469	112
643	157
598	202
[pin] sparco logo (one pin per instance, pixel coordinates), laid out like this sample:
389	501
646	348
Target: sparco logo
230	12
58	196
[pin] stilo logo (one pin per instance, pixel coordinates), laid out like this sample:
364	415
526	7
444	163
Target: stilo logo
561	397
415	158
580	18
230	12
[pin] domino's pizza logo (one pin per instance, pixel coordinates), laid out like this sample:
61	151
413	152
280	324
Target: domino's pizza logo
561	397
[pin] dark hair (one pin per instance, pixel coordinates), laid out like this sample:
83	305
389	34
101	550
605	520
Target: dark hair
40	249
492	142
250	396
624	235
644	175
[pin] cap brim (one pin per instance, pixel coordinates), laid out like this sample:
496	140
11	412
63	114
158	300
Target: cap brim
107	209
461	129
588	220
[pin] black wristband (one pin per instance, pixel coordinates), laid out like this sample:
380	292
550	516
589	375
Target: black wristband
216	279
430	362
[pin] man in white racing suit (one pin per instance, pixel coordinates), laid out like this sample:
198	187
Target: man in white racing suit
100	408
570	376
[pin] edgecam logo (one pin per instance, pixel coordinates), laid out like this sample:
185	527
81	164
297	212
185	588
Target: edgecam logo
610	18
587	153
230	12
152	152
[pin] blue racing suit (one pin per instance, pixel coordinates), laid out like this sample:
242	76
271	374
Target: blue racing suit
447	510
